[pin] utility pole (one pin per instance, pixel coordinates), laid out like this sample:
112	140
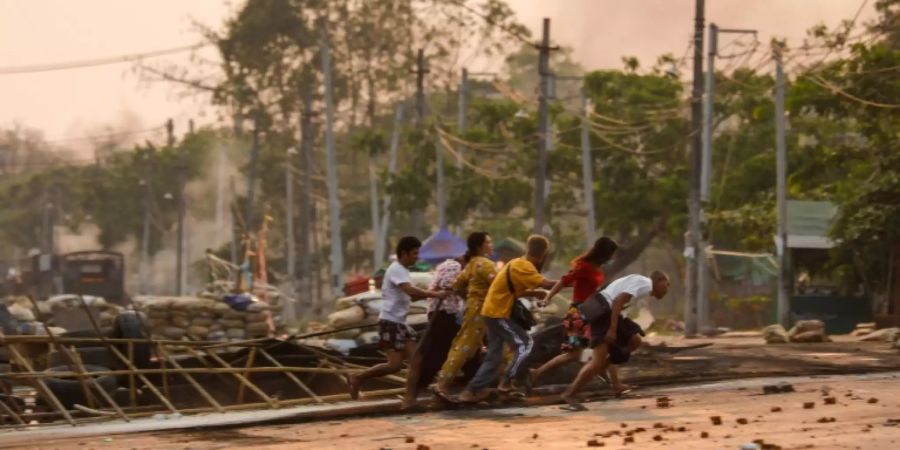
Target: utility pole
703	275
781	189
307	140
334	211
587	172
251	176
462	107
146	263
543	129
220	195
289	213
381	242
421	70
180	207
693	239
290	310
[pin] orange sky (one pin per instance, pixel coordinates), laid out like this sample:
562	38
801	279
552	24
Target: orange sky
73	103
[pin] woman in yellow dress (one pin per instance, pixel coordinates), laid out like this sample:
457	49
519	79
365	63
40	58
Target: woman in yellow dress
475	280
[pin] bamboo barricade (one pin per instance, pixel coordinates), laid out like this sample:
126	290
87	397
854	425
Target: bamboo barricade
148	391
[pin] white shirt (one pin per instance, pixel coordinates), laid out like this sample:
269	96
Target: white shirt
395	302
636	285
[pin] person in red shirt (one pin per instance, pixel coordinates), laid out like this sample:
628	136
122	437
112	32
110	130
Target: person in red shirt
586	277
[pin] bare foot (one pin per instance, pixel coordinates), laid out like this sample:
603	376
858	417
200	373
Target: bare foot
407	403
535	374
441	393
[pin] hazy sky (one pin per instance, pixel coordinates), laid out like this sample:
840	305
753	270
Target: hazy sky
79	102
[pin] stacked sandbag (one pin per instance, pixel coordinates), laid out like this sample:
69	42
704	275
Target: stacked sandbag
776	334
202	318
808	331
889	335
863	329
270	295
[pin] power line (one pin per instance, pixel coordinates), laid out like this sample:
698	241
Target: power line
125	133
49	67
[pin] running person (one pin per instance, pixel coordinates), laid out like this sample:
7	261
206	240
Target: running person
614	337
397	339
586	276
523	276
474	280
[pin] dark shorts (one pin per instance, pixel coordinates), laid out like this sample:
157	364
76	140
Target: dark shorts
394	336
625	330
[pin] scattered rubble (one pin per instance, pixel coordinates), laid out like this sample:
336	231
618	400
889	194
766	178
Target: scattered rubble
809	405
595	443
778	388
776	409
716	420
830	401
873	400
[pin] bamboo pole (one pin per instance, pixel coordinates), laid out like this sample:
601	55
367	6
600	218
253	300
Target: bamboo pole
251	358
75	360
132	384
237	373
128	362
11	413
40	339
290	375
191	370
209	398
147	411
40	385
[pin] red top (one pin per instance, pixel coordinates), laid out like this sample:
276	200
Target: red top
586	279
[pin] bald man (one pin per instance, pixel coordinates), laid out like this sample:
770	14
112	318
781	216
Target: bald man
614	337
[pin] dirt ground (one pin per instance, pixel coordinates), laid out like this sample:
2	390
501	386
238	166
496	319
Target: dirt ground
865	415
863	379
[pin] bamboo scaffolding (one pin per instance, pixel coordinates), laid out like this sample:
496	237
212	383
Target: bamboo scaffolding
290	375
271	402
128	363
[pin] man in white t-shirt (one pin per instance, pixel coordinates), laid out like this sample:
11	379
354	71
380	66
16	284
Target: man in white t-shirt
397	339
614	337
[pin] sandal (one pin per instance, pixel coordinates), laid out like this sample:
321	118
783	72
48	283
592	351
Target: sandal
573	406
